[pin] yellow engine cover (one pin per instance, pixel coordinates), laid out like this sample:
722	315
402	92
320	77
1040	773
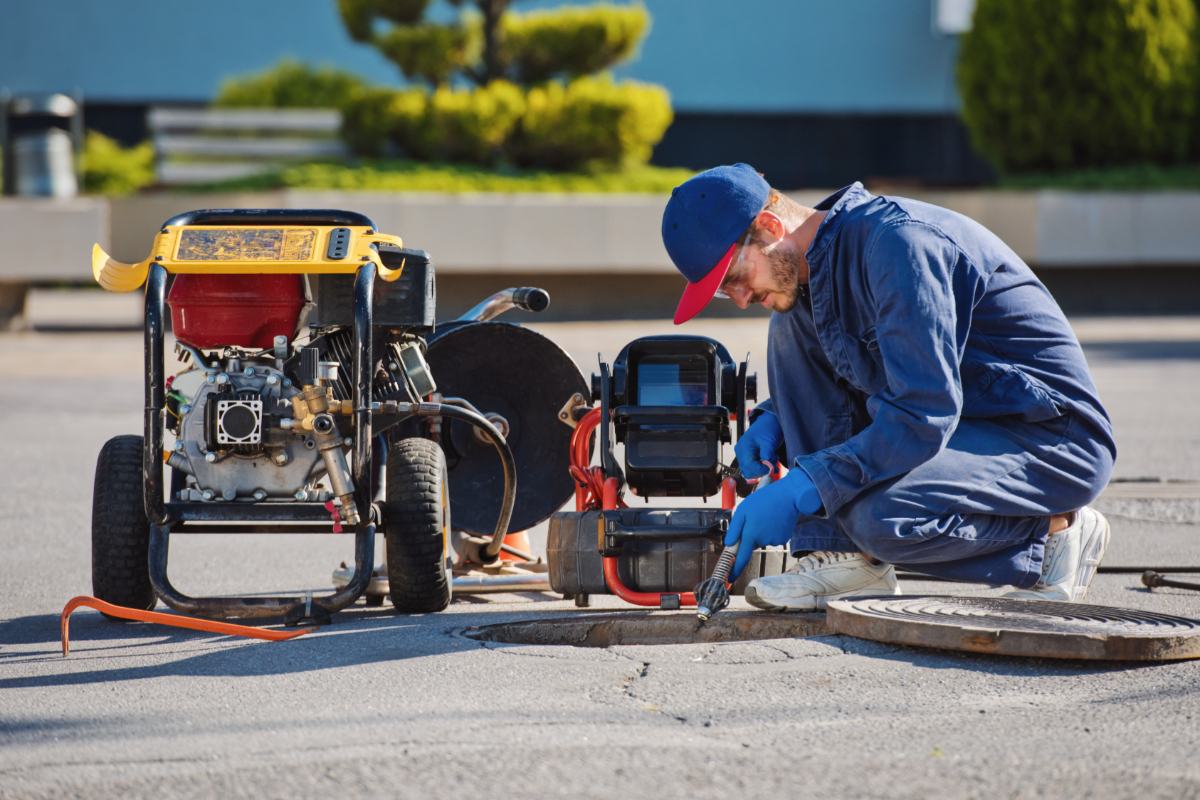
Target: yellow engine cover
253	249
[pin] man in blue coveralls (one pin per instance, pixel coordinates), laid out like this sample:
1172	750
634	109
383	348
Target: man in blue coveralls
934	405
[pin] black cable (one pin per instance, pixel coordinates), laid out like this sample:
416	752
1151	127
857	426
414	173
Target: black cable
506	460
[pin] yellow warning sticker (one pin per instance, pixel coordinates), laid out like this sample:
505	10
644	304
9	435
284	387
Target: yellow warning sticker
242	244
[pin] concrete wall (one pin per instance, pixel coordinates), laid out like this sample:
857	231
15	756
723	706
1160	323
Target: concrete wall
604	256
1070	229
483	233
50	240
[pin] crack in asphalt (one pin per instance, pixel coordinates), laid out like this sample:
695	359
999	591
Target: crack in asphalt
788	656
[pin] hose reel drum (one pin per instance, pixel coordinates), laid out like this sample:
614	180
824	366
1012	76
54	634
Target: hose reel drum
520	375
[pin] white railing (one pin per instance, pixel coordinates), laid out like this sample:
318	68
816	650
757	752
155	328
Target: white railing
204	145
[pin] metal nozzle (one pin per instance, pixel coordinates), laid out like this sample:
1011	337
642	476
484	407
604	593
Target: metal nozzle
712	595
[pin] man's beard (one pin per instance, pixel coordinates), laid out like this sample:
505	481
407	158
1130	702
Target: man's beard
785	279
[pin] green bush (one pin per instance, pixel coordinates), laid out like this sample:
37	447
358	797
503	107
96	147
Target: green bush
290	84
571	41
468	125
111	169
1073	84
430	52
488	42
591	124
1127	178
373	118
359	15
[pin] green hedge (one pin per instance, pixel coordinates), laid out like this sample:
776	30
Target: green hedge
359	15
291	84
430	52
588	124
1073	84
111	169
591	123
571	41
374	118
468	125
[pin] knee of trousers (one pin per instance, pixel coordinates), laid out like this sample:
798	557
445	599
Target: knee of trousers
883	528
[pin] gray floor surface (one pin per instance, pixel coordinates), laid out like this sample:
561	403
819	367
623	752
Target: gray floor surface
380	705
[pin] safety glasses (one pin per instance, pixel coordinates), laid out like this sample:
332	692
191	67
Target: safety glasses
734	275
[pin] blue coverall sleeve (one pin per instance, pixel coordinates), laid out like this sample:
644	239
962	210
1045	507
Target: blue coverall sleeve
922	291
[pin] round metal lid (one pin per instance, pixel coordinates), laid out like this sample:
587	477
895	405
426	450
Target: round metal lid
1045	629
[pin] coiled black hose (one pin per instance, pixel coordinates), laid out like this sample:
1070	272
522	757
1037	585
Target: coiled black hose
492	551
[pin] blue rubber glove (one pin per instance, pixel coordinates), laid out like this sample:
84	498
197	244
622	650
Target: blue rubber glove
758	444
769	515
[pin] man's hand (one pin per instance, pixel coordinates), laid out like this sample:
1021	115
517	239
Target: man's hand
758	444
768	516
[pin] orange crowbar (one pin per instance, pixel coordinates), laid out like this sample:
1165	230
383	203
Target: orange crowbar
172	619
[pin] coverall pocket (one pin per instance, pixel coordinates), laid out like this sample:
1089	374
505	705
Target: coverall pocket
1000	390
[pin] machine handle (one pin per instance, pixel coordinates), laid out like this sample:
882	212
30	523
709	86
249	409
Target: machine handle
531	298
669	533
527	298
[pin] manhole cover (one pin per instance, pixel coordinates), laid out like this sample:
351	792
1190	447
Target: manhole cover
1018	627
610	629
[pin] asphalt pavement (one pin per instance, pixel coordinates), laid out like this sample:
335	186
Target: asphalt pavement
381	705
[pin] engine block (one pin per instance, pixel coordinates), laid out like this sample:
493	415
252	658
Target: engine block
230	439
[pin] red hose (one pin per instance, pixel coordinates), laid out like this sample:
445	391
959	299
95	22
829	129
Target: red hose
593	490
637	598
589	481
172	619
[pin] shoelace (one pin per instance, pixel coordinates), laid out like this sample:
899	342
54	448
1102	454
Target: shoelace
819	558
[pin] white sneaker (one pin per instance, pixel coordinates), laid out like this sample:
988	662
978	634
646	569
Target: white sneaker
818	578
1071	558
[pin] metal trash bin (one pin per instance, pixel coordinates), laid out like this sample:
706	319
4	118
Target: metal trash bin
41	157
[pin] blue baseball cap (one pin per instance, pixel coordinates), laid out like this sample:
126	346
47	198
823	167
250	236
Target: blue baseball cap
700	228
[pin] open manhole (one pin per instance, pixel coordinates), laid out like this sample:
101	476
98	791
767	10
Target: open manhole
1007	626
633	628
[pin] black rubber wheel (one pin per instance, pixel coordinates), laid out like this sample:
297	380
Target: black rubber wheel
373	600
120	530
417	526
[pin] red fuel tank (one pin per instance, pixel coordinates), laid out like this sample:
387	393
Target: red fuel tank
249	311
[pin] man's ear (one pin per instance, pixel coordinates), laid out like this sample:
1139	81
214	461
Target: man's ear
771	224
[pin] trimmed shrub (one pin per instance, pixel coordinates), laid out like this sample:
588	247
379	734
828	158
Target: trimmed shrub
111	169
359	15
572	40
430	52
469	124
591	124
374	118
290	84
1079	83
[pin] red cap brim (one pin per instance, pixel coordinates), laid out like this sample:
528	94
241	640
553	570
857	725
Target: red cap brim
697	295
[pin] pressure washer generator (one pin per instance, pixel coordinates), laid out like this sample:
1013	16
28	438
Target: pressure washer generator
308	404
669	400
